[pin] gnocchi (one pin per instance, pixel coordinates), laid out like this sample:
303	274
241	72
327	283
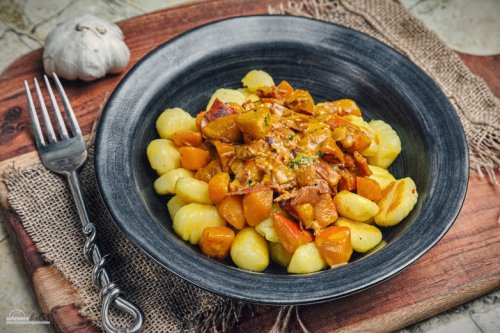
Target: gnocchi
398	199
389	144
163	156
306	259
166	183
256	79
192	190
191	219
364	237
266	176
249	250
173	120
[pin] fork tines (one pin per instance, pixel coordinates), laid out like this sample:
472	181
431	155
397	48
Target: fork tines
51	135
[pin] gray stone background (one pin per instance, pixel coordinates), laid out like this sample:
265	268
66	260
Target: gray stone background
467	26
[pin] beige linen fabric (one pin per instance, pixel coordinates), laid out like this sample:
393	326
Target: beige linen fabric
44	203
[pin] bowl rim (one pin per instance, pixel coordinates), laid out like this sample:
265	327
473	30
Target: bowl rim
207	279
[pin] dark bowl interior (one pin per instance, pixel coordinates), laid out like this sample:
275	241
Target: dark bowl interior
330	61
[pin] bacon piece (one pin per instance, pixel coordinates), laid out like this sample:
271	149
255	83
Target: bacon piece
218	110
254	188
327	172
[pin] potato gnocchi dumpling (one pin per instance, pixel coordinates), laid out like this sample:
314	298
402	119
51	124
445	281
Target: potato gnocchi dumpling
173	120
364	237
249	250
191	219
227	96
166	183
174	204
306	259
256	79
382	176
192	190
389	144
398	199
163	156
266	175
354	206
279	255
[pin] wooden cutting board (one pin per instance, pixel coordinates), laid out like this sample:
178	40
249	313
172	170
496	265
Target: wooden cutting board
462	266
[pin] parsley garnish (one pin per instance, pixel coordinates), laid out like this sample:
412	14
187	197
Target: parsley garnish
300	160
290	137
266	120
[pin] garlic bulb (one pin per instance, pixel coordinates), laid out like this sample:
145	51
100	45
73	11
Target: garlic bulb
86	48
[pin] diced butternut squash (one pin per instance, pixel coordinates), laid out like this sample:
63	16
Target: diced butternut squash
256	124
331	152
334	244
193	158
207	172
224	129
305	213
257	206
285	89
187	138
325	212
289	233
368	188
346	107
216	241
218	187
231	209
300	101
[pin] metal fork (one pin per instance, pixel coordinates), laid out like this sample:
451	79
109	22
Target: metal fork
65	155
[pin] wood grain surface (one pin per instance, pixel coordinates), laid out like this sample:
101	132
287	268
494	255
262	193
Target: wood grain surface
461	267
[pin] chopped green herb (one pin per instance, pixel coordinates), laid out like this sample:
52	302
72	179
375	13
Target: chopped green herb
300	160
290	137
249	182
266	120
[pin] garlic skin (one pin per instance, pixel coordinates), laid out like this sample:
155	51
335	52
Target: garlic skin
85	48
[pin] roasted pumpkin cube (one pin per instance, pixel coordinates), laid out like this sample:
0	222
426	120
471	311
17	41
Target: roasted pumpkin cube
257	206
216	241
368	188
290	234
334	244
218	187
224	129
231	209
187	138
256	124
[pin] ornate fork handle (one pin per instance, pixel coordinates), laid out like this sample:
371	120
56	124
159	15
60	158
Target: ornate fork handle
110	292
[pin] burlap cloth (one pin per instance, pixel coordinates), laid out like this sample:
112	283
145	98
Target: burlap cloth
44	203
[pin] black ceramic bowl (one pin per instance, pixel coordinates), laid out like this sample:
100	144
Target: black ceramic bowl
332	62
